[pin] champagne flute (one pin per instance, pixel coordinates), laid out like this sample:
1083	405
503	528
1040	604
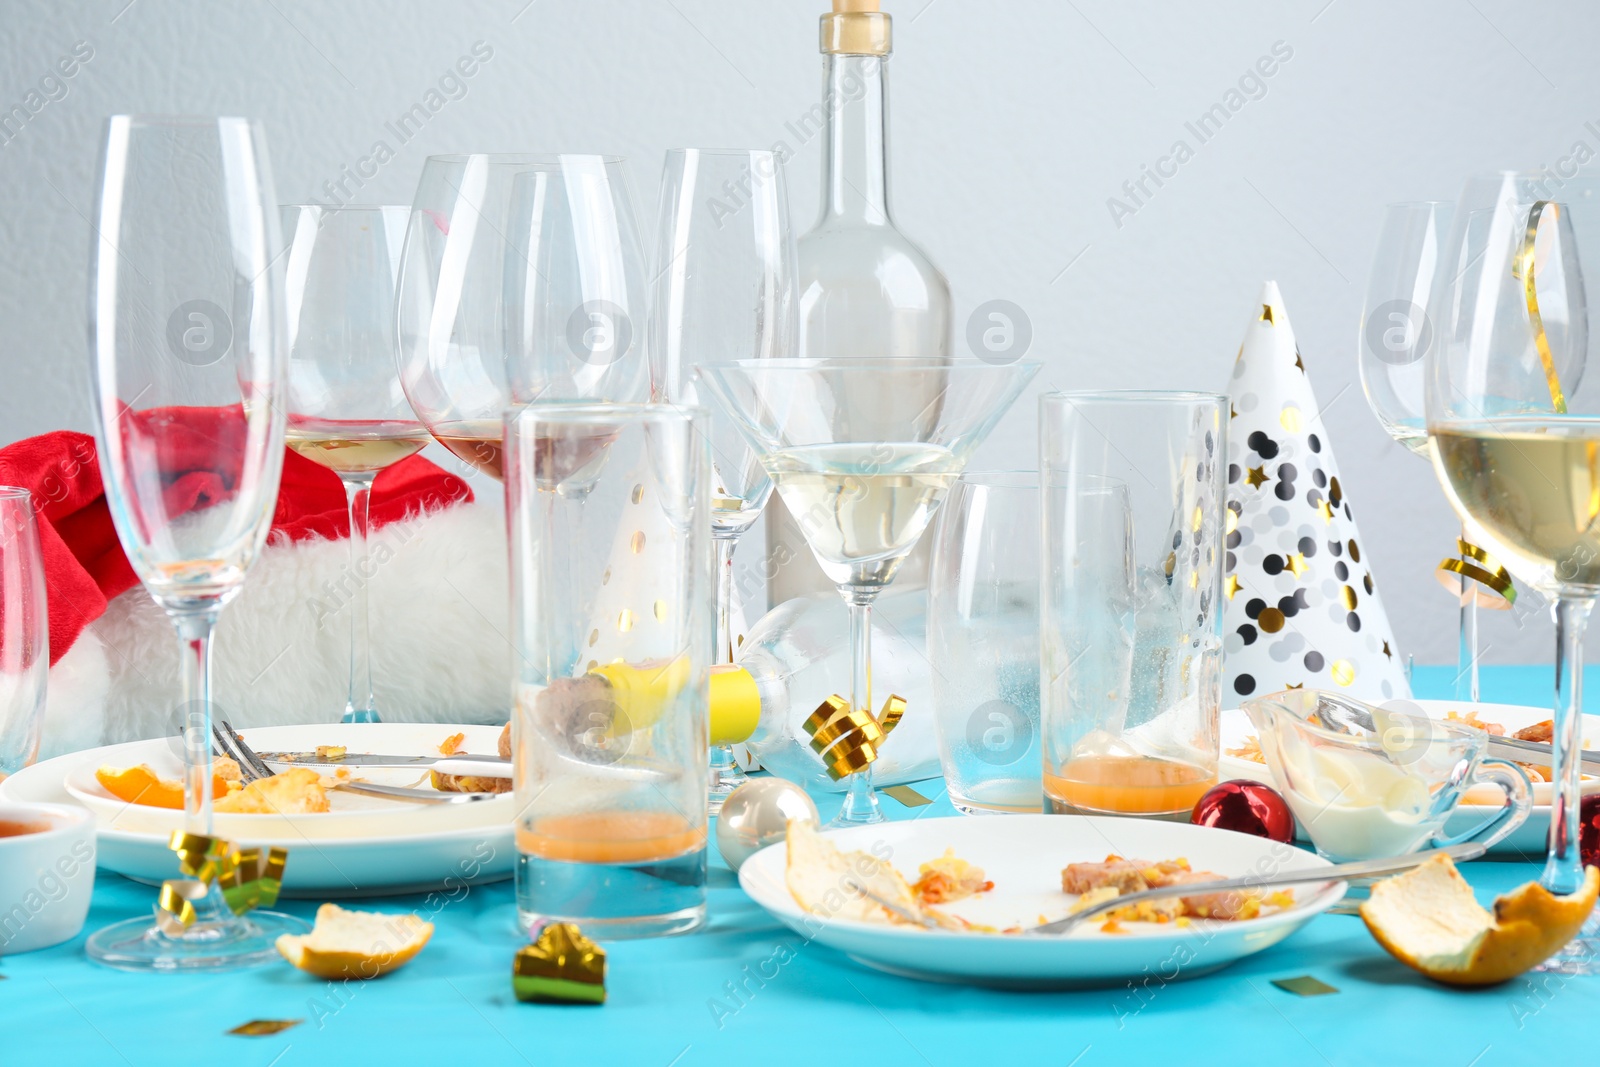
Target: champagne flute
1395	333
1516	444
347	411
724	288
188	361
522	280
862	451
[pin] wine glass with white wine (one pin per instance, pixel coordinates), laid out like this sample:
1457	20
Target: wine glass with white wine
863	477
347	411
1518	452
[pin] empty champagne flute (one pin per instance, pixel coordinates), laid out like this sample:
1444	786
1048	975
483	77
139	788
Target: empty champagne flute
724	288
522	280
188	362
1515	442
347	411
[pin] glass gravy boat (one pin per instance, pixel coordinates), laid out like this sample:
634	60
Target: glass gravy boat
1366	781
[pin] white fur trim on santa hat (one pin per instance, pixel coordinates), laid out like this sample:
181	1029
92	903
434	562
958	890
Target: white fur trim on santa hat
441	648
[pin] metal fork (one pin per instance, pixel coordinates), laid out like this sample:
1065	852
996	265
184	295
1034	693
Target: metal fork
252	768
1339	872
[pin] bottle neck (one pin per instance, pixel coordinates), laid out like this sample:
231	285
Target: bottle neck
855	164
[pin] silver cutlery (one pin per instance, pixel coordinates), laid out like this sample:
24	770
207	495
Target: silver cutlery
1338	872
252	767
462	763
1537	752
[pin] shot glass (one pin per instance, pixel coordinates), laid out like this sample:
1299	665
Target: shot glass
24	632
983	642
610	539
1131	601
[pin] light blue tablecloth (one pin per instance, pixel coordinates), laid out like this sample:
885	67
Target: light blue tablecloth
732	995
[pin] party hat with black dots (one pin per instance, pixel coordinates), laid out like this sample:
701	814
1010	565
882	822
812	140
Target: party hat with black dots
1302	606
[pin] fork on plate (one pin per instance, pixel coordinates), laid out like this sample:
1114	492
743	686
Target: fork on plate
252	769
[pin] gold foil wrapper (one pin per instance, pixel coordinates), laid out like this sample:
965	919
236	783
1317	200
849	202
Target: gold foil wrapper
848	739
560	967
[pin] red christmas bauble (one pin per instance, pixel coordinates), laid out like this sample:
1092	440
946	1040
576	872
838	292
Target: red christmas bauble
1589	830
1246	807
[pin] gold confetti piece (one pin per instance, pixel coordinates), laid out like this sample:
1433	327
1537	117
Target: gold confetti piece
264	1027
1304	986
1232	586
906	796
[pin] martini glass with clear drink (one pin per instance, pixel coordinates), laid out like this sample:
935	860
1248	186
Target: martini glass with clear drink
863	451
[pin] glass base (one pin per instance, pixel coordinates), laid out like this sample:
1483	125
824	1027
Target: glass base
226	945
859	810
725	777
360	715
684	921
1579	956
1000	796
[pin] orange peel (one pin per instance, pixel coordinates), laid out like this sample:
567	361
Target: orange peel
1429	920
355	944
142	785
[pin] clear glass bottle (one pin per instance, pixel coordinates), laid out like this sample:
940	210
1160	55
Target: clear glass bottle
795	658
866	289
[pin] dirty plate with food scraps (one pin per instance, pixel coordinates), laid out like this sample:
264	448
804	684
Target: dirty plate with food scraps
362	845
1024	855
1527	840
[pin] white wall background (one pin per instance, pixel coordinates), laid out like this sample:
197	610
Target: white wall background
1013	122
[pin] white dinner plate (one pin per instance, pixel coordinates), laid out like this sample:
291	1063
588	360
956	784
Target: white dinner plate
1527	839
1024	855
361	846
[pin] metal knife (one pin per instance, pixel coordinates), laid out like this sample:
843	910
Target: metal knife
1537	752
465	764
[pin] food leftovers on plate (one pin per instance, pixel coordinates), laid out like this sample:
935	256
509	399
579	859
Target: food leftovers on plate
467	783
1095	883
828	882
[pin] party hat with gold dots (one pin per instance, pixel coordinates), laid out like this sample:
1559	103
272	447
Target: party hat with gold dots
1302	605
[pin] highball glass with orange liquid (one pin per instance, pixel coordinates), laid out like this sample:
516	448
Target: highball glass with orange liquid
611	566
1131	603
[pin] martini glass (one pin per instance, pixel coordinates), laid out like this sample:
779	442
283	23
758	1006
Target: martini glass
863	451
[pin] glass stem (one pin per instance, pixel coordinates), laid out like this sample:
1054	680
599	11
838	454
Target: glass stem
194	668
1467	654
360	705
1467	650
1563	871
860	803
724	578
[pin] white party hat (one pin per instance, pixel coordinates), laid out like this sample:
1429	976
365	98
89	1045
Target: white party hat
1302	605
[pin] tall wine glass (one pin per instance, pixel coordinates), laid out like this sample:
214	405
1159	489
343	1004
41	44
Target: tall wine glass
1516	445
187	357
724	288
346	408
1395	334
863	451
522	280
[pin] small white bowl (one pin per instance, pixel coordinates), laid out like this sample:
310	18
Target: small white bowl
46	874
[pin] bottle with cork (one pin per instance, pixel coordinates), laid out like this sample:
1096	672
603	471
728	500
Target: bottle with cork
866	289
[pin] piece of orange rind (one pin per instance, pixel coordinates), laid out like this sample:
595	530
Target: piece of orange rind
355	944
1429	920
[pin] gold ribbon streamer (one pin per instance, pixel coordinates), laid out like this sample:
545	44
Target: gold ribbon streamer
248	878
1476	565
1524	267
848	739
